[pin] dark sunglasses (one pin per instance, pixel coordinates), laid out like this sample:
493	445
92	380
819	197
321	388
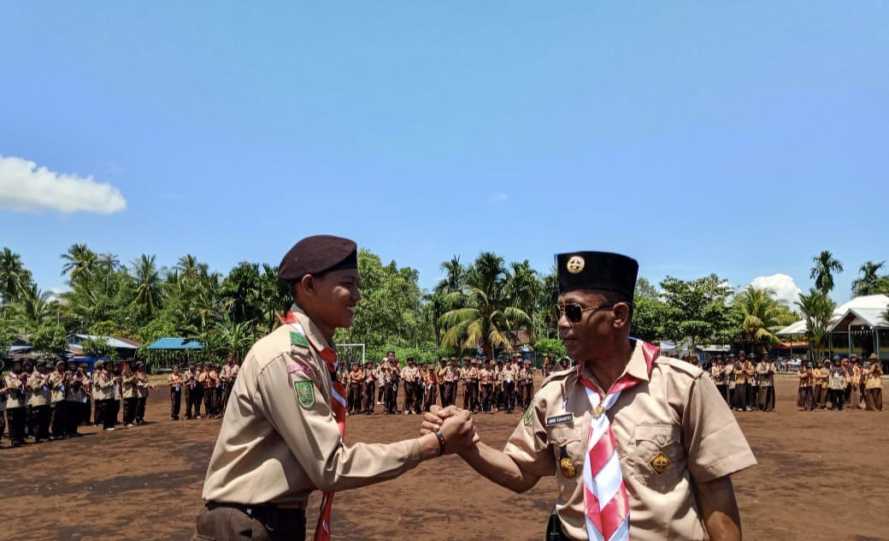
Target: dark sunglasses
573	312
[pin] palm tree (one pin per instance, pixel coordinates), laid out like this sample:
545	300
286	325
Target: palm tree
817	309
823	267
80	263
148	294
455	276
869	282
13	276
233	337
523	287
759	316
489	316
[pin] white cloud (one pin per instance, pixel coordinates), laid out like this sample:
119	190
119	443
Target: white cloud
25	187
498	197
783	286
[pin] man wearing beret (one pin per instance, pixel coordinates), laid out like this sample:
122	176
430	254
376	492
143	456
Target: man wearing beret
282	436
642	445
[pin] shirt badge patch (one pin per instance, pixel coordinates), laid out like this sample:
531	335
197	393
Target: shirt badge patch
297	339
305	393
567	467
527	420
660	463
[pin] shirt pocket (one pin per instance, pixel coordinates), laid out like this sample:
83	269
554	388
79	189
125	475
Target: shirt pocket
658	459
567	443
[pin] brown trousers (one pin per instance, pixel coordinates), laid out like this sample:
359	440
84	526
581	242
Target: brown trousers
262	524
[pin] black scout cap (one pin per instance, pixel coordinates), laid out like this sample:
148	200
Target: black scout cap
597	270
318	254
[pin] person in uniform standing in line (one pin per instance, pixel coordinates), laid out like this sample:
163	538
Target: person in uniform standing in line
370	383
806	400
643	446
498	386
16	404
855	384
128	382
116	392
143	389
409	380
392	387
285	438
98	392
486	380
214	384
450	386
753	382
39	402
175	381
228	376
58	387
765	374
819	384
475	367
874	384
356	380
440	374
729	374
194	395
717	374
508	377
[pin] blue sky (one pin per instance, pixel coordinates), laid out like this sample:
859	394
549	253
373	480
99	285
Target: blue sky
736	138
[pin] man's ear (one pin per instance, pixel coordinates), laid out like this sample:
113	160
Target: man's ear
621	315
306	283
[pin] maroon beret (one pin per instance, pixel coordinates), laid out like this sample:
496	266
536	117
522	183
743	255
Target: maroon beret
316	255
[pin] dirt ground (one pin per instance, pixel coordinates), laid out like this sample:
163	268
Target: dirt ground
821	475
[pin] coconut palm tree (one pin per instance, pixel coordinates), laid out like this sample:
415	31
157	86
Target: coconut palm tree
817	309
80	262
869	282
523	287
455	276
232	337
759	316
488	316
148	291
13	276
823	267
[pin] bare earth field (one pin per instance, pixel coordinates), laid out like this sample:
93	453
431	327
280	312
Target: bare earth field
821	475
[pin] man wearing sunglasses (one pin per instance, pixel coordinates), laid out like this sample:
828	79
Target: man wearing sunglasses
642	445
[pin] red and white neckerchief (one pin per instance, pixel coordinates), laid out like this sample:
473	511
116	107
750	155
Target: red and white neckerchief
605	499
337	406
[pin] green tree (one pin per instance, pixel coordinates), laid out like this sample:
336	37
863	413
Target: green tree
80	263
546	313
148	292
869	282
759	317
824	265
14	277
696	310
488	317
817	310
523	288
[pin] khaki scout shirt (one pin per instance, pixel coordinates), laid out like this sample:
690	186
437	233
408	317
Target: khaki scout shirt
277	444
129	386
39	387
675	411
57	386
765	374
15	392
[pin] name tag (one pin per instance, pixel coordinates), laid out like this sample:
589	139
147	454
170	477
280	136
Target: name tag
565	419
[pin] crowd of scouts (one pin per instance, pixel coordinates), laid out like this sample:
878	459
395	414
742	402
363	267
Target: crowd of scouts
201	384
49	399
488	386
746	383
840	383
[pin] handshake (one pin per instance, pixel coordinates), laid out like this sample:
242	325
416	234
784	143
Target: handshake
456	425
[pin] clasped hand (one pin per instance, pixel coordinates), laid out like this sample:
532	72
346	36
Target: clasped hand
456	425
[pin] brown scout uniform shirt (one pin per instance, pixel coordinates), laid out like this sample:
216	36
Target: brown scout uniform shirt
677	412
277	444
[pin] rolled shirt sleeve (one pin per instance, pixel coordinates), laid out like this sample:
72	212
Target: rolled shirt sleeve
312	435
716	446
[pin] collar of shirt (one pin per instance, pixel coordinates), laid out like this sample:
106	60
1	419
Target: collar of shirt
313	334
638	366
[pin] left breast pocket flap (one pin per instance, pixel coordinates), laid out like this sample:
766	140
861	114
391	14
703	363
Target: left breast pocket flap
658	458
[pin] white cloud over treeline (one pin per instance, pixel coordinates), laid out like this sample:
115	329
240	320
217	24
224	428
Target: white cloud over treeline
782	285
24	186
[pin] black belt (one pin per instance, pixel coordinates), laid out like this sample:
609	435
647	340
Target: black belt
261	512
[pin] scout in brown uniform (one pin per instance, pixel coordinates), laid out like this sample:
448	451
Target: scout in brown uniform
674	443
356	380
855	385
39	401
765	375
58	383
473	375
129	396
440	376
143	388
284	439
227	377
15	382
873	386
175	381
486	380
451	375
370	383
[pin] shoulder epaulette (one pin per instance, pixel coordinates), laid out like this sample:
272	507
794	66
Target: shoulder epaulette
558	376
